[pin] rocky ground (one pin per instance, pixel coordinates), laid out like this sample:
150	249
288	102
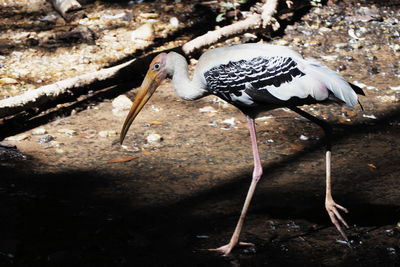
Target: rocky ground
76	197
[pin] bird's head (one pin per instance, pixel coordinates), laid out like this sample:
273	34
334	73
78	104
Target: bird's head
155	75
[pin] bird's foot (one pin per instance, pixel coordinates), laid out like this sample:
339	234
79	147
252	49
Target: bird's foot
226	249
335	216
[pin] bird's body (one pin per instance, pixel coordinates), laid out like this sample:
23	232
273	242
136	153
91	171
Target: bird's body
258	77
254	78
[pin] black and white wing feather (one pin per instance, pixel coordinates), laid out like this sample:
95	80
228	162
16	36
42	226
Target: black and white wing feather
277	80
238	81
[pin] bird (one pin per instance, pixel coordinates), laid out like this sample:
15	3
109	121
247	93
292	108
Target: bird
255	78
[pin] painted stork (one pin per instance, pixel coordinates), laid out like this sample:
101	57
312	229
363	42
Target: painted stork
254	78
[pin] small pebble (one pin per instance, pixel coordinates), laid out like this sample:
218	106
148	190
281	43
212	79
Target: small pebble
108	133
7	80
303	137
207	109
154	138
369	116
60	151
122	102
69	132
39	131
144	33
373	70
397	97
230	123
174	22
45	139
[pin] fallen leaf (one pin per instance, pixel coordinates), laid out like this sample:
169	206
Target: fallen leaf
17	137
372	165
297	147
154	122
146	152
123	159
344	120
349	113
325	116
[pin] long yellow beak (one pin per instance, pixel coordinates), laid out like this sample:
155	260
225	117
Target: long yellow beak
148	87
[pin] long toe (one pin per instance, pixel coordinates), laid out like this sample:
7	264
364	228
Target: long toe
336	218
226	249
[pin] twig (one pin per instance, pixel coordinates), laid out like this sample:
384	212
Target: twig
123	73
251	23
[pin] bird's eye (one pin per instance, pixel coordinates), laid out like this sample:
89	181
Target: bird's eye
156	66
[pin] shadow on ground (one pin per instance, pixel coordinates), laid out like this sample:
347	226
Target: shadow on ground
90	218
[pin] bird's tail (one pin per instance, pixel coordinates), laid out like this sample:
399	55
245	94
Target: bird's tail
335	83
357	89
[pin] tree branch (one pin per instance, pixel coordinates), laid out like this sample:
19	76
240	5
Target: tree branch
76	86
66	7
251	23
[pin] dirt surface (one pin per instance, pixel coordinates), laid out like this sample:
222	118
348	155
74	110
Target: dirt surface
82	199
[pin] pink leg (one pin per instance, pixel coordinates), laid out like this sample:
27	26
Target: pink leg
257	172
330	204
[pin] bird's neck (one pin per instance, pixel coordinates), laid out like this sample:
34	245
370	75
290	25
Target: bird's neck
185	87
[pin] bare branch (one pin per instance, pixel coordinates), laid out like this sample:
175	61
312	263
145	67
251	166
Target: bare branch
251	23
123	73
52	92
66	7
